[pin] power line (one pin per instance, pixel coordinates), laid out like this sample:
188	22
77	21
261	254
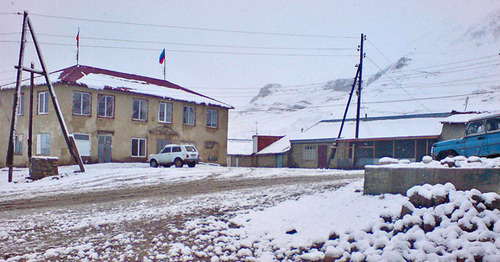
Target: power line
201	45
399	85
387	101
188	51
191	28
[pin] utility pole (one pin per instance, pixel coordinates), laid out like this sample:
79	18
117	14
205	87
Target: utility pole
30	120
360	81
12	135
73	149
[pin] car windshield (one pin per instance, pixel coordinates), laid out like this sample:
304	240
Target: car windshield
190	149
475	128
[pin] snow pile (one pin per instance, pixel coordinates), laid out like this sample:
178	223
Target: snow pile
456	162
287	229
436	223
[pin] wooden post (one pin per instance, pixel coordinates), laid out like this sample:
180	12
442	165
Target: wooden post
12	135
73	150
30	120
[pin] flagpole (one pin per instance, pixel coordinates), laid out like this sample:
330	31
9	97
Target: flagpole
164	71
78	46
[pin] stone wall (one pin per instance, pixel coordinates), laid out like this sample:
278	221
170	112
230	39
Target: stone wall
380	180
41	167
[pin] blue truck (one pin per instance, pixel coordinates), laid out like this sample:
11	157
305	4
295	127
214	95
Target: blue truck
482	138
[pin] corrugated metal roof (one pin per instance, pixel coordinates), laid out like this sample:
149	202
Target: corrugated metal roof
98	78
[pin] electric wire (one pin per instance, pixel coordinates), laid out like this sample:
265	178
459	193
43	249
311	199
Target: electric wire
190	28
190	51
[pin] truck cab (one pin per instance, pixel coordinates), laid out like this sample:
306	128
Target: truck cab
481	138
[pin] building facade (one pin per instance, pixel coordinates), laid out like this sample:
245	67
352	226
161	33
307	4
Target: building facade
115	117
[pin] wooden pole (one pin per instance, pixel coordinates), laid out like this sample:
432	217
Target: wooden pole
72	149
360	81
30	120
13	123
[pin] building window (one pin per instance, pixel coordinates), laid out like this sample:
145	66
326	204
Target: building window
212	118
81	103
140	110
43	102
139	147
83	143
310	153
165	112
20	105
189	116
18	144
105	106
43	144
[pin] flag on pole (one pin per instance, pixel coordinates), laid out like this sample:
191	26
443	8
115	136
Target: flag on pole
77	44
162	56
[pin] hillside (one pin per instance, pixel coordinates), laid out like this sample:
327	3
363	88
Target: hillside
453	67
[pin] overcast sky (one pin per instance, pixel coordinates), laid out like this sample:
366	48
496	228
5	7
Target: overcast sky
225	70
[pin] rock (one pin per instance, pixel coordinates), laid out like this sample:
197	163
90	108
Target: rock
388	161
426	159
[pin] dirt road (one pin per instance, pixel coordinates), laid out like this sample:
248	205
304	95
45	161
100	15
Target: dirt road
144	222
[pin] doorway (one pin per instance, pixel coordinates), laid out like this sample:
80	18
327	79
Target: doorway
104	148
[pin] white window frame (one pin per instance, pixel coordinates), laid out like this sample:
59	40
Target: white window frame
18	144
139	141
20	105
43	102
40	141
84	145
189	115
310	153
81	106
167	109
101	98
211	114
141	103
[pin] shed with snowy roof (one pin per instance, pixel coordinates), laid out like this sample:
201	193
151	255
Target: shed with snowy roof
117	117
404	137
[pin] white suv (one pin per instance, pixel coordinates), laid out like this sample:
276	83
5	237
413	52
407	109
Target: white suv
175	154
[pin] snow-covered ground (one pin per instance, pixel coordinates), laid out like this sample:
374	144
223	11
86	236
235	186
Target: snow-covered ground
310	221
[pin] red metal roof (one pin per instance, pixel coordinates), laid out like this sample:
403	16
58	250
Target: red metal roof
72	74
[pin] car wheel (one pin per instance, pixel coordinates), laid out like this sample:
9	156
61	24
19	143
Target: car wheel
191	164
153	163
178	162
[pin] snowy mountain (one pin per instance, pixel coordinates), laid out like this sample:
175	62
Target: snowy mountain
455	66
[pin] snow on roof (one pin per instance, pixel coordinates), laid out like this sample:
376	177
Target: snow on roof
280	146
97	78
390	128
459	118
239	146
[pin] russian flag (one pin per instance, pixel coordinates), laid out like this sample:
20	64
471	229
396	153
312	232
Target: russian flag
162	56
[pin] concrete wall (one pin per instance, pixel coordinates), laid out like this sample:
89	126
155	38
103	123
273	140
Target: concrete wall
263	160
379	179
211	142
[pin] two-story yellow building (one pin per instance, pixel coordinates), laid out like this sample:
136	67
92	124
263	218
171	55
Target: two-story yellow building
114	117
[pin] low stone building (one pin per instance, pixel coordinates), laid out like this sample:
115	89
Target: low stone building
116	117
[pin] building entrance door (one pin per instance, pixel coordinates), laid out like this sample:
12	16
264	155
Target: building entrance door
322	156
104	148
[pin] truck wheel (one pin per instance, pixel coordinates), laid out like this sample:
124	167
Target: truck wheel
191	164
443	154
153	163
178	162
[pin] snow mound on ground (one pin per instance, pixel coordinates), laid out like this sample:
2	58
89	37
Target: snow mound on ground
458	226
454	162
